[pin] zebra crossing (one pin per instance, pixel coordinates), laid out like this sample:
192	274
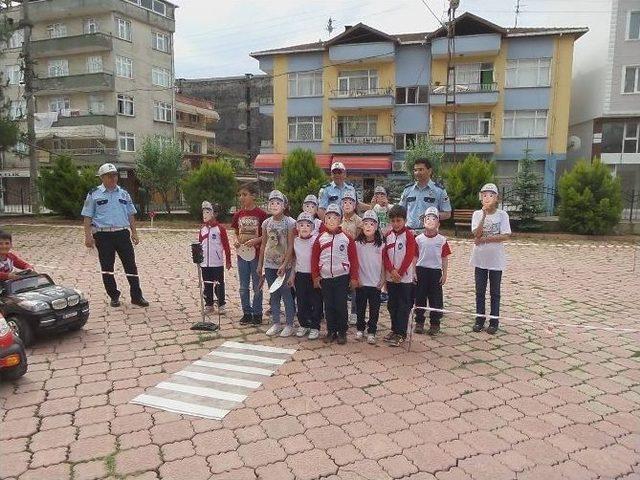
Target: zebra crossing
216	384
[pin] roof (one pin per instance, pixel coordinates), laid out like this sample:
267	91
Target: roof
195	102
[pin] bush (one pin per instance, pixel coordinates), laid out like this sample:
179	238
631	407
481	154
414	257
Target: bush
423	148
590	199
300	176
527	190
464	181
64	186
212	181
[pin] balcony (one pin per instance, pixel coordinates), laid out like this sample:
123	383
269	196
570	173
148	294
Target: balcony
88	156
194	129
266	146
362	98
466	143
266	106
482	44
465	94
362	52
362	144
54	47
84	82
75	118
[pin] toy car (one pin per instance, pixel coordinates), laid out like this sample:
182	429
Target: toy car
33	304
13	359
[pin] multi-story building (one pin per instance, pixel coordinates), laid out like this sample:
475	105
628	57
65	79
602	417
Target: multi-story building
605	108
104	80
195	119
364	96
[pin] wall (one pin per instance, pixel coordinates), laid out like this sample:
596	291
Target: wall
413	67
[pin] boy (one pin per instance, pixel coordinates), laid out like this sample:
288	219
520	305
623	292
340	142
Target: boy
381	207
352	226
8	259
215	246
334	268
310	206
247	224
432	264
398	256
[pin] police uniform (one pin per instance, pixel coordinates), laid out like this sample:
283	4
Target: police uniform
416	200
330	193
109	211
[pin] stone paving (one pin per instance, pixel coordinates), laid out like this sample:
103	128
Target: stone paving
528	403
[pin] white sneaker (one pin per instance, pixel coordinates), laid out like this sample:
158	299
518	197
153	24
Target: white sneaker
287	331
222	310
302	331
314	334
353	319
371	339
359	335
275	329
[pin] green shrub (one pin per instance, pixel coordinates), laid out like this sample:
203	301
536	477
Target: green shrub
64	186
212	181
590	199
527	189
299	177
464	180
424	148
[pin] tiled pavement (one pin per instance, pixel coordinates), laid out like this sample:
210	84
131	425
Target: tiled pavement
528	403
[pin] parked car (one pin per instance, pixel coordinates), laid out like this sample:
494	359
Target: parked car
13	358
34	305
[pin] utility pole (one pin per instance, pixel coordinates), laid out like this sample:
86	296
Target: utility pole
247	99
450	87
517	13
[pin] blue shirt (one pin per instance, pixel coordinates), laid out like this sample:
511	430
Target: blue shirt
331	193
416	200
108	208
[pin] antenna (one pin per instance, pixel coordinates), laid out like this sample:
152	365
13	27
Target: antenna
517	12
329	28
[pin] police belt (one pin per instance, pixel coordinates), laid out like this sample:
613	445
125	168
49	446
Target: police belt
108	229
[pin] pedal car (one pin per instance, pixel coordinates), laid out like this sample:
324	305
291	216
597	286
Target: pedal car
13	359
33	305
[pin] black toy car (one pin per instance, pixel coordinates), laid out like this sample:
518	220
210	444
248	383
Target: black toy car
13	359
33	304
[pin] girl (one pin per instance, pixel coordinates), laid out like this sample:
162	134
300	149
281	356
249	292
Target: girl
490	227
369	247
215	246
352	226
310	206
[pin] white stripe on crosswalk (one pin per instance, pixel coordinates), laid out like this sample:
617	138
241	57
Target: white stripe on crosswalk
258	348
234	368
202	391
250	358
217	379
180	407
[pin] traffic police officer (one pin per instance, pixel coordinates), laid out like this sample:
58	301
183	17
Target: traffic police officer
424	193
332	193
108	215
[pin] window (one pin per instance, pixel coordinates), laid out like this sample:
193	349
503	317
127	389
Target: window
16	39
412	95
305	84
305	129
59	104
154	5
17	109
125	105
160	42
57	30
357	82
631	79
631	140
90	25
124	67
123	29
528	72
525	123
633	27
195	147
161	77
94	64
14	75
58	68
478	76
357	126
407	140
477	124
162	111
127	142
96	104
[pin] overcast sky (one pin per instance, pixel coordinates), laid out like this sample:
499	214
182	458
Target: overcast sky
214	37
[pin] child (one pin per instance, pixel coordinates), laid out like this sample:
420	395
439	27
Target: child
310	206
334	267
247	224
352	226
371	275
308	297
399	252
215	246
432	252
490	227
276	251
8	259
381	207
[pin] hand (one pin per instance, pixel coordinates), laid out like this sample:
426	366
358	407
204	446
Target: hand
251	243
261	281
89	242
229	266
292	280
281	270
12	276
443	278
316	283
395	276
236	244
135	239
354	283
381	285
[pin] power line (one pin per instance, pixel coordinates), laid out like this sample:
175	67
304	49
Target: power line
432	12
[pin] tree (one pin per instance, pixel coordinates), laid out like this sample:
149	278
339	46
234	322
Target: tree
423	148
159	167
527	189
465	179
212	181
64	186
590	199
9	127
299	177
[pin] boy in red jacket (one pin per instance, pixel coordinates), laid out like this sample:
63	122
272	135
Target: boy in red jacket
8	259
215	246
334	268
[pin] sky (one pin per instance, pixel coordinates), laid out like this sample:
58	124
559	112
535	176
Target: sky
215	37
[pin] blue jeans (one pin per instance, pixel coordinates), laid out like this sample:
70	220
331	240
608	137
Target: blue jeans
248	273
284	293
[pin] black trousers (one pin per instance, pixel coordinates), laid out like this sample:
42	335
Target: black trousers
334	295
309	301
399	305
108	244
213	274
429	288
494	277
370	295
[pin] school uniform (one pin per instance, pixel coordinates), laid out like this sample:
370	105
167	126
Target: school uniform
399	252
370	263
308	298
215	247
430	250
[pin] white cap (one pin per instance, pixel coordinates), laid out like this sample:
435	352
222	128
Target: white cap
380	189
333	208
310	199
306	217
350	194
207	206
277	195
489	187
432	211
338	166
106	168
370	215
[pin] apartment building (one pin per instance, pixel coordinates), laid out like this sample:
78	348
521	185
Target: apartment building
605	109
104	81
195	119
364	96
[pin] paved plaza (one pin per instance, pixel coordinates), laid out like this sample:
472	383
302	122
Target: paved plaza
528	403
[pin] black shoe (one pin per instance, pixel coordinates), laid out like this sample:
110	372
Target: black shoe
419	328
256	320
115	302
492	329
246	319
433	329
397	341
342	338
141	302
478	327
329	337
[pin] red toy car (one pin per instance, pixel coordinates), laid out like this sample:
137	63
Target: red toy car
13	359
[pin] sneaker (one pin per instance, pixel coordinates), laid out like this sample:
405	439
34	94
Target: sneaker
314	334
371	339
419	328
256	320
389	336
222	310
478	327
329	337
342	338
353	319
275	329
359	335
209	309
433	330
492	329
397	341
302	331
246	319
287	331
115	302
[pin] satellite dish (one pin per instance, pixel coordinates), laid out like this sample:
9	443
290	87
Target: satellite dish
242	126
574	143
